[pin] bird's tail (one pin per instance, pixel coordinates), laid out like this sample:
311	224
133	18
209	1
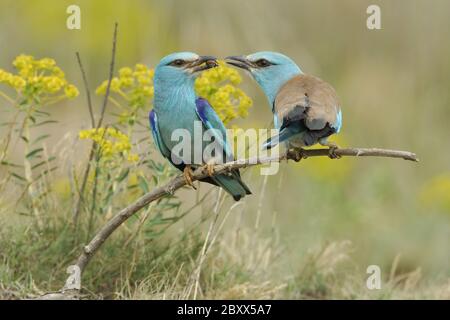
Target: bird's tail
233	184
283	135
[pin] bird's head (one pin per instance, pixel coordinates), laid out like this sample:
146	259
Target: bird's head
269	69
182	67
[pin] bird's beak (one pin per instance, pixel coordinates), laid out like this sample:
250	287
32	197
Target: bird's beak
203	63
239	61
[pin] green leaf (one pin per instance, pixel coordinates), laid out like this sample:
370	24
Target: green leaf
43	123
42	113
123	175
15	175
40	138
10	164
43	162
34	152
143	184
45	172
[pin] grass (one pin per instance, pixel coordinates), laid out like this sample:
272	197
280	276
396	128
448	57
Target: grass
307	233
241	263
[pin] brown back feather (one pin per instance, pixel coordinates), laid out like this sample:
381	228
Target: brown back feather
310	92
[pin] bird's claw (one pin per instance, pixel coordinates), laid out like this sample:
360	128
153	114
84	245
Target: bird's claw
188	175
332	152
297	154
209	169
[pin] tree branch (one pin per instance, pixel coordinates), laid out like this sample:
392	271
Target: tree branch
176	183
102	115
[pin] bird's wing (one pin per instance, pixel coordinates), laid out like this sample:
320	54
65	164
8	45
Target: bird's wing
211	121
156	135
232	183
160	143
310	99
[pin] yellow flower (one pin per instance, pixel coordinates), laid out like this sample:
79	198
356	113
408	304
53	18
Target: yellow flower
436	192
140	67
134	85
58	72
46	63
71	91
18	83
101	89
5	77
42	78
23	61
325	169
112	142
219	86
125	72
115	84
132	157
51	84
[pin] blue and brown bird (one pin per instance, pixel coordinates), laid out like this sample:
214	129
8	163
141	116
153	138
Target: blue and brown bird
306	109
176	106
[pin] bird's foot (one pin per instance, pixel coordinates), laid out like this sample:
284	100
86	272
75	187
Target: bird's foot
209	167
332	147
332	151
188	175
297	154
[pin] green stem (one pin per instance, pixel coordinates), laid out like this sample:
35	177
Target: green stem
29	174
4	95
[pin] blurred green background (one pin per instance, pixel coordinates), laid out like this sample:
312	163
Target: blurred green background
393	84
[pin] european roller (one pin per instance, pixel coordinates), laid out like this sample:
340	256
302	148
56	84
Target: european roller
176	106
306	109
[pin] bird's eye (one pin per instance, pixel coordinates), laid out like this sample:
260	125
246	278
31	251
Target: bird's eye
177	63
262	63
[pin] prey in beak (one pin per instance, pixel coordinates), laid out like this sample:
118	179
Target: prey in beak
240	62
202	63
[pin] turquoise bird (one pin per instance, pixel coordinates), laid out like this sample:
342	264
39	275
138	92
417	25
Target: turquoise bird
306	109
176	106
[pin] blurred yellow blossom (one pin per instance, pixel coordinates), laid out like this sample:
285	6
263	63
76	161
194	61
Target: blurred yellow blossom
132	157
62	187
436	192
135	85
219	86
71	91
323	168
37	78
112	142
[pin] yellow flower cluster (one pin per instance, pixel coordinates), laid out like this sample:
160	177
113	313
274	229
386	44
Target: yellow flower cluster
322	168
219	86
135	85
37	77
436	192
112	142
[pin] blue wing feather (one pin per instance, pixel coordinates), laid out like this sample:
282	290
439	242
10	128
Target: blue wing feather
211	120
156	136
231	183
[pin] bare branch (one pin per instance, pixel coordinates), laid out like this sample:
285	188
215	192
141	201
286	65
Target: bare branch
86	88
176	183
100	121
111	74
